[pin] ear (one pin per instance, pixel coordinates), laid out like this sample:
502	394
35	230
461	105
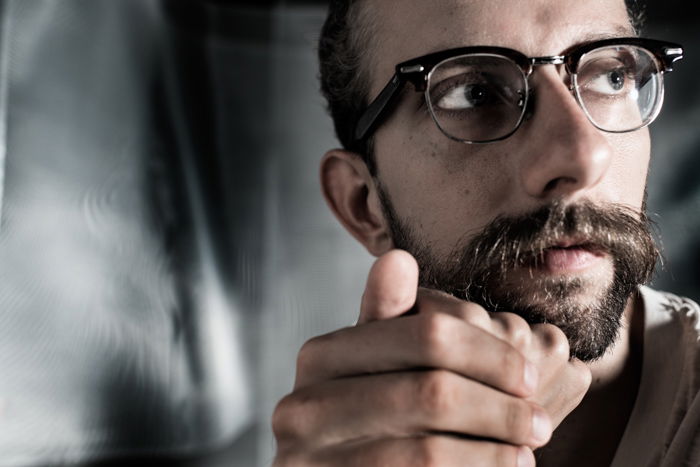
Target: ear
351	194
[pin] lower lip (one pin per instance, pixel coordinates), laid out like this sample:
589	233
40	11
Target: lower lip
562	260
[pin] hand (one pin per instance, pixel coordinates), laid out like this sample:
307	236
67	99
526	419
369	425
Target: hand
447	384
561	382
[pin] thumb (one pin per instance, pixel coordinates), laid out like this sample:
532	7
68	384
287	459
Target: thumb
392	285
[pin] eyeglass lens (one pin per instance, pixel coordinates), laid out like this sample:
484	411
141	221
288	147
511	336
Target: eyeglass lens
477	97
481	97
619	87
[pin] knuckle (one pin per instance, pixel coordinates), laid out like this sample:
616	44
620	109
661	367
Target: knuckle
310	353
518	419
475	315
282	418
290	416
582	375
434	332
560	347
306	355
434	393
515	329
554	340
427	451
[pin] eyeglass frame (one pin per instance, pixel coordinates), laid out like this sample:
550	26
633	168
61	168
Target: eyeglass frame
417	71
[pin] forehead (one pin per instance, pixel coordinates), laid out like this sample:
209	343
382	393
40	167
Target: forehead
410	28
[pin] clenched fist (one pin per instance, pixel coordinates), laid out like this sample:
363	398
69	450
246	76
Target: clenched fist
446	384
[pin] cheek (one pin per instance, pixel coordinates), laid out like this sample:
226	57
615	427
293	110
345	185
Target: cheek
443	189
629	168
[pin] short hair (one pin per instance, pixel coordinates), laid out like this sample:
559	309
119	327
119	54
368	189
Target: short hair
344	74
343	51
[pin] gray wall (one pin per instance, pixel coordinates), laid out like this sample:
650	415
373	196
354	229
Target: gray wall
674	182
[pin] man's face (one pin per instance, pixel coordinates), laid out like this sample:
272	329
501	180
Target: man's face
442	193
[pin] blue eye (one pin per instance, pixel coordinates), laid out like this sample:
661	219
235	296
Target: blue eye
608	76
616	80
608	82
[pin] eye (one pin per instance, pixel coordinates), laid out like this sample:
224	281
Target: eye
470	91
609	82
609	75
464	96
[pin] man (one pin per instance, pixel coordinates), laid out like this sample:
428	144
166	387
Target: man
498	172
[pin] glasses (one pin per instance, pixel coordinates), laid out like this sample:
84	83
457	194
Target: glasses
480	94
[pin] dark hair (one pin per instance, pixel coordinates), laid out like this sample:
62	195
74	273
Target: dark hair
342	48
636	10
343	53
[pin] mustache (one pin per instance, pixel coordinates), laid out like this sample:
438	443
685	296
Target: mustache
508	242
479	267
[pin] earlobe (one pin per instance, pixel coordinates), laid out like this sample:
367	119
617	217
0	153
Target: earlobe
351	194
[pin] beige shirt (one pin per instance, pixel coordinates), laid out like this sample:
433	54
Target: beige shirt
664	427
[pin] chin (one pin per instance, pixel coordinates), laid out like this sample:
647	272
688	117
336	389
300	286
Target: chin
550	292
586	305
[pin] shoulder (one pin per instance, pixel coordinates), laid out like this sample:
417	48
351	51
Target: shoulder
668	301
664	307
672	331
672	364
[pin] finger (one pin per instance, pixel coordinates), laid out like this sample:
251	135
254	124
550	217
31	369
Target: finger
407	404
431	300
445	451
550	341
507	326
391	287
512	328
425	340
565	392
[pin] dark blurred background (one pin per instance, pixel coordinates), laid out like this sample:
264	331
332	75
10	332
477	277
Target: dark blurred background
164	248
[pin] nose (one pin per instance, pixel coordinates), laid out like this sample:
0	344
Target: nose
566	155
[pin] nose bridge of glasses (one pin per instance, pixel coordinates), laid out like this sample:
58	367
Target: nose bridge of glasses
561	62
549	60
546	81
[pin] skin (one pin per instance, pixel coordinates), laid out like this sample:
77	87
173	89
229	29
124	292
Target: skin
387	391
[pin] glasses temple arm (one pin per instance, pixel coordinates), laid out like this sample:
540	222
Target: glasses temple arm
670	56
372	115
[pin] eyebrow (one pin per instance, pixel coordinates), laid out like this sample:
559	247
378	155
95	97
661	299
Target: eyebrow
618	31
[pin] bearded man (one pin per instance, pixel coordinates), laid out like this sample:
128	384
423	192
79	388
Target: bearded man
495	158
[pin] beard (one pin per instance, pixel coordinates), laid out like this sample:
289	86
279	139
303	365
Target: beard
498	268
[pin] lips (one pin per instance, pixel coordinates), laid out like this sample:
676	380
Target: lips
569	255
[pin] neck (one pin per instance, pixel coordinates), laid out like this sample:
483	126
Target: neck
601	418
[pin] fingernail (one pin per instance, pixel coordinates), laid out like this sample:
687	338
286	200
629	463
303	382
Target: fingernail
530	376
525	457
541	426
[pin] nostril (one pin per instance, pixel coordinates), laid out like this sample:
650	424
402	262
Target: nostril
550	186
554	183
